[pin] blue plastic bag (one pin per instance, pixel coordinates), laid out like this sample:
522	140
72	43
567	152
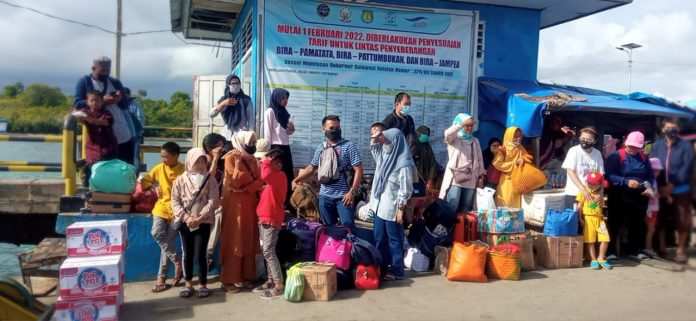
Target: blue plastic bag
561	223
112	176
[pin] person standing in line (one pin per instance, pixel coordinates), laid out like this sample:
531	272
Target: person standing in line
236	108
401	119
391	189
277	128
194	199
580	161
426	164
492	176
100	142
677	158
511	155
214	145
161	178
239	237
336	198
138	117
464	165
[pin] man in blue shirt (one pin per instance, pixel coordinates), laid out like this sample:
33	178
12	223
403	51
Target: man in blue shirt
677	157
336	198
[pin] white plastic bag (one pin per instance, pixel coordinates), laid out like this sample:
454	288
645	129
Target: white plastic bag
416	261
485	198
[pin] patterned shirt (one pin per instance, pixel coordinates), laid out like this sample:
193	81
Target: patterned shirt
348	156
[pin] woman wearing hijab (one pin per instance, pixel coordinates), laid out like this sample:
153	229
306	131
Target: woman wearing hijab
276	128
491	174
196	211
391	188
509	156
236	108
464	164
426	164
239	240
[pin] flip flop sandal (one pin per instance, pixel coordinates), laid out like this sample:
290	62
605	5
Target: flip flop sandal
392	277
185	292
159	288
230	288
263	287
681	258
271	294
203	293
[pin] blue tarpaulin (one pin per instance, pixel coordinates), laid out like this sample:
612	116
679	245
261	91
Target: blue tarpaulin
498	102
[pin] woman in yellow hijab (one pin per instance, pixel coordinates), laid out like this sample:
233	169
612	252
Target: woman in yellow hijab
510	155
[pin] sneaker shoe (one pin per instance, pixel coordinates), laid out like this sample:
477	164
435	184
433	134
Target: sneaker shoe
595	265
650	253
613	258
606	265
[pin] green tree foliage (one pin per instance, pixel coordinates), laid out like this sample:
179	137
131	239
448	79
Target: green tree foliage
42	95
11	91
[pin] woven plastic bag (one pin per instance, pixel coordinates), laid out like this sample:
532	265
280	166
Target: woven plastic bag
467	262
112	176
504	260
527	178
294	284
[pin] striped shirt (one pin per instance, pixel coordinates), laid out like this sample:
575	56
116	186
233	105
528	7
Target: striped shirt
348	156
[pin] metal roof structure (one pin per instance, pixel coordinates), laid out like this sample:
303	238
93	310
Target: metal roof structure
215	19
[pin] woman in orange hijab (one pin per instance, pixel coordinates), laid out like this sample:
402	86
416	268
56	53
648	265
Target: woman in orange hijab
510	155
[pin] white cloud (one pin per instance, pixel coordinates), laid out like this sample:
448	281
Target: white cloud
583	52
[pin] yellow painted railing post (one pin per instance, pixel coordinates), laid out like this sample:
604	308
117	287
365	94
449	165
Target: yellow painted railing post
68	156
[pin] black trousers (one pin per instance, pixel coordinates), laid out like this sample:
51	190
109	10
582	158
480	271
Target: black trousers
627	215
288	169
195	244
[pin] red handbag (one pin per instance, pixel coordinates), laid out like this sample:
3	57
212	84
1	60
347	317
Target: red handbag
492	175
366	277
143	202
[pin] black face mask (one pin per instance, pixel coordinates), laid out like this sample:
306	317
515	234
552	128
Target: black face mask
586	145
333	134
103	77
671	133
250	149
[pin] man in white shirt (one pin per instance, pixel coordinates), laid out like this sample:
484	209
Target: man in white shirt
580	161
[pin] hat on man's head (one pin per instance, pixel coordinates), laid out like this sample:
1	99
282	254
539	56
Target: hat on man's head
263	146
635	139
102	61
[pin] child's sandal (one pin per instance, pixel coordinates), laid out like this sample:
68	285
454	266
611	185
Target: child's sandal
186	292
203	293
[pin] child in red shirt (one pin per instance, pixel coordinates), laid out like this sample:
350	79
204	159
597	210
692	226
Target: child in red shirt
271	216
101	143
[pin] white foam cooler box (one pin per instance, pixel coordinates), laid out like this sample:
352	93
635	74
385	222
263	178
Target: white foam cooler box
91	277
97	238
536	204
104	308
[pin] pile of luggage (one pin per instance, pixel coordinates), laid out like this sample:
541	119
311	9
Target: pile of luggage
114	189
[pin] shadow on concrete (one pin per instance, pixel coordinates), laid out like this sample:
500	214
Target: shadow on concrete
169	308
532	275
349	294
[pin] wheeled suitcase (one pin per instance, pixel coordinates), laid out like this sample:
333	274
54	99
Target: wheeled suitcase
109	203
466	228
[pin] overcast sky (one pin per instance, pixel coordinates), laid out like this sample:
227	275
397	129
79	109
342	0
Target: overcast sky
40	49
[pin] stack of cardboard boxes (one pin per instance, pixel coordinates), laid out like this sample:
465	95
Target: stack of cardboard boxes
92	277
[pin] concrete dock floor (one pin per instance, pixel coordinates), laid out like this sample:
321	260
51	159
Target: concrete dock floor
629	292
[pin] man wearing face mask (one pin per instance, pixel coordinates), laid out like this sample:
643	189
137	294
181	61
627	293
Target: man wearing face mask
336	198
580	161
112	89
401	119
236	108
677	156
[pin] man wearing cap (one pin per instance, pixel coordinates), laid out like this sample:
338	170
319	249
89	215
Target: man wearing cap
630	174
112	89
677	156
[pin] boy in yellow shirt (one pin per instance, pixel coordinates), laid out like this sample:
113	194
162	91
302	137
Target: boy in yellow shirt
161	179
594	229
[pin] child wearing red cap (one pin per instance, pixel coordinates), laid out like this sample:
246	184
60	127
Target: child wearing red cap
594	229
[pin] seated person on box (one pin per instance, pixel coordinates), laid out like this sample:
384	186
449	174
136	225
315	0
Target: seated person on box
590	203
161	179
101	142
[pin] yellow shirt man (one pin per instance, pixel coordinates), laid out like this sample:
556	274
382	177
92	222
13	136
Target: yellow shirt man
163	175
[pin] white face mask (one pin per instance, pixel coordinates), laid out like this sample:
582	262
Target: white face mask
234	89
197	179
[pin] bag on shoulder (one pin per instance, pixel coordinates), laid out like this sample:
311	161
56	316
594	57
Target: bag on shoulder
329	171
294	284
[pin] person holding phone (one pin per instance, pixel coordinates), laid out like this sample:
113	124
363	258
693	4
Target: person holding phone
236	108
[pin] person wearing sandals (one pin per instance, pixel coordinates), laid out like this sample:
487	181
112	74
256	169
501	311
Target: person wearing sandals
391	189
590	202
161	178
239	238
195	196
271	216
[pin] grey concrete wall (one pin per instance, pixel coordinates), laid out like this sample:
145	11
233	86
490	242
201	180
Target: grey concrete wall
30	196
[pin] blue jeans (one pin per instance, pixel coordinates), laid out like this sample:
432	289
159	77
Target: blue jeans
332	209
460	199
389	237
